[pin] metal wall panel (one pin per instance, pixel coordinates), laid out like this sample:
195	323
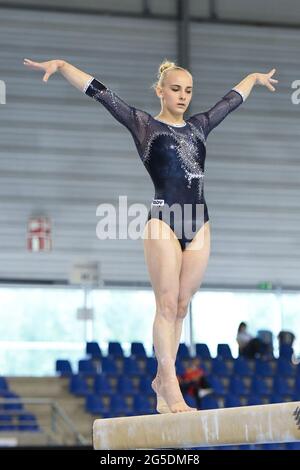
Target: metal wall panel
252	166
63	154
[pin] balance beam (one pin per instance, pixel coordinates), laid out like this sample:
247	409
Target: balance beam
243	425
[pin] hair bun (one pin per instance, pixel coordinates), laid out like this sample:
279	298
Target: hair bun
165	65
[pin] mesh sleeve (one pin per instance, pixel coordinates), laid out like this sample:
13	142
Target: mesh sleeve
135	120
208	120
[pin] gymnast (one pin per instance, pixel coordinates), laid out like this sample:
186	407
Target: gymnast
177	231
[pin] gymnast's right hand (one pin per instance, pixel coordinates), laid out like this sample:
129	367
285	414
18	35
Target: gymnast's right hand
50	67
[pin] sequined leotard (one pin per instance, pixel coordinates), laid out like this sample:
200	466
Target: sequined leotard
174	156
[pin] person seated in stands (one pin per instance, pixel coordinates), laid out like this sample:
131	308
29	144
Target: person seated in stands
286	337
249	346
194	382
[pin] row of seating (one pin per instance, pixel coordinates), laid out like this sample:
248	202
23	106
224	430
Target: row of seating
244	367
131	405
201	350
124	384
258	385
148	365
13	416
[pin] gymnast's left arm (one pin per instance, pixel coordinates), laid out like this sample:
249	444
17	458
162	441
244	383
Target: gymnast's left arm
246	85
211	118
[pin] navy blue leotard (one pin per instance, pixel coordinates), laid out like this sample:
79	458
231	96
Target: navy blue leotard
173	155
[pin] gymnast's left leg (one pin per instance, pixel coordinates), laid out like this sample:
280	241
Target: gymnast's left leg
194	263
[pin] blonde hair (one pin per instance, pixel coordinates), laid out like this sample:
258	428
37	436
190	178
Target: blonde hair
165	67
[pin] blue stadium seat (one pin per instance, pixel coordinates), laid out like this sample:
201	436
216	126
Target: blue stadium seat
145	385
183	352
283	385
240	385
224	351
244	367
10	394
79	386
275	398
8	428
262	385
285	368
222	367
96	405
87	367
202	351
63	366
297	384
93	350
115	349
232	401
143	405
27	417
286	351
131	366
119	406
102	385
5	418
125	385
206	364
180	367
264	368
138	350
254	400
12	406
28	427
6	394
3	383
209	402
28	422
217	385
190	401
109	366
151	366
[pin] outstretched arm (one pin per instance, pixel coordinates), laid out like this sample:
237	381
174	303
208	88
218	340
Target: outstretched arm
75	76
134	119
246	85
208	120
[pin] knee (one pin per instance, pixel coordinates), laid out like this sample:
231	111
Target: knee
167	306
182	306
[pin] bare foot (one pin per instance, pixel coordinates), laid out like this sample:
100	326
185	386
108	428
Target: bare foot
161	405
170	391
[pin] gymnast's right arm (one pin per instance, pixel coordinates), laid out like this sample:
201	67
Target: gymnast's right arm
75	76
134	119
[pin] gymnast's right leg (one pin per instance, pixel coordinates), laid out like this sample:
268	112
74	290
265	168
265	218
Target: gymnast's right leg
164	257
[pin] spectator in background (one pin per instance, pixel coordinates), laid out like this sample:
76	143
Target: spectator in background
286	337
194	382
286	340
249	346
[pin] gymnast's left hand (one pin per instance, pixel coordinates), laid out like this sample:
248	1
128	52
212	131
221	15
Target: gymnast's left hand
266	80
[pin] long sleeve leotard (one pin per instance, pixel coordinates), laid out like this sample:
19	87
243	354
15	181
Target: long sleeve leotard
174	156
